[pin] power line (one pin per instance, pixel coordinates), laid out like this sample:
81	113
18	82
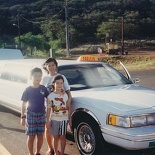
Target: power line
30	21
44	21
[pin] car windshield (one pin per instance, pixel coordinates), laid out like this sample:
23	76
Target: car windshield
85	76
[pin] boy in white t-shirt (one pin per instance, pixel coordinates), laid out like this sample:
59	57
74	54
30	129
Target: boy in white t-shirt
57	119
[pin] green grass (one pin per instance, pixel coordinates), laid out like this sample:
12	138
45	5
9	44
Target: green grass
131	62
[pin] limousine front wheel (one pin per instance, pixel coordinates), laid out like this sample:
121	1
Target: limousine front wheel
87	137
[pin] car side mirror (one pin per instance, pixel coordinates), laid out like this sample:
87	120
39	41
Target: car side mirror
136	80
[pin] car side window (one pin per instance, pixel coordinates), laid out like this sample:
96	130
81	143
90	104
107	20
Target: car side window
15	73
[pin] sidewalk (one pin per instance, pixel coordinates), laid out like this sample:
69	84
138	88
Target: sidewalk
3	150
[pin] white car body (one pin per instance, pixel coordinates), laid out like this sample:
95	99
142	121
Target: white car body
91	107
121	100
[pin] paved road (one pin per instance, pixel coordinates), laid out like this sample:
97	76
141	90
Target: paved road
12	135
147	77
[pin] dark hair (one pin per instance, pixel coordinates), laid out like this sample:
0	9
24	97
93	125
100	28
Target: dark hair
47	61
58	77
34	70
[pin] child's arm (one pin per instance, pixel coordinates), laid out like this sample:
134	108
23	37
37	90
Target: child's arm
49	104
23	116
48	109
69	96
69	112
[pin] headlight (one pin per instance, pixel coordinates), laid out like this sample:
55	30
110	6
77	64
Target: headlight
143	120
138	121
118	120
131	121
151	119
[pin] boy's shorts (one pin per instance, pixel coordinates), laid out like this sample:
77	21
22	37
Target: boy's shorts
35	123
58	127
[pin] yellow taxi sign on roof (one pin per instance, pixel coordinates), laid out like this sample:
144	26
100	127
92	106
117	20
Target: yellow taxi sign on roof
88	58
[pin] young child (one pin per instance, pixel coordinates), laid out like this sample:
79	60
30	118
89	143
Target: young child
57	101
33	111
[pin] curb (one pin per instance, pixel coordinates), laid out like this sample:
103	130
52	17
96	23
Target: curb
3	150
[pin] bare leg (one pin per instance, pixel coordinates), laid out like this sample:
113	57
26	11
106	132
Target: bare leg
63	144
49	138
56	141
39	143
30	143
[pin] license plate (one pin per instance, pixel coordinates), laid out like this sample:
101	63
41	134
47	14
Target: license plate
151	144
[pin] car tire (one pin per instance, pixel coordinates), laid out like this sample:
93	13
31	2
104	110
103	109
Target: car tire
88	137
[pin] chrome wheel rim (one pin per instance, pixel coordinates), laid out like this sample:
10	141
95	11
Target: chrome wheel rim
86	139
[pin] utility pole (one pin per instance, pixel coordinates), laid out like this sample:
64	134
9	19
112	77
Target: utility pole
18	26
122	35
67	33
19	32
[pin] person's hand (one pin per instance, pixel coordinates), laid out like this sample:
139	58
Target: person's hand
22	122
63	91
48	123
70	123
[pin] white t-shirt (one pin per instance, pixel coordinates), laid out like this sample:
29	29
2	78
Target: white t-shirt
48	79
58	105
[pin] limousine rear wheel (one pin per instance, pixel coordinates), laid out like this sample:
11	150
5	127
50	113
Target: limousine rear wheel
88	137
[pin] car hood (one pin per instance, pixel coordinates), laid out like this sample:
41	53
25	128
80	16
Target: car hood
118	99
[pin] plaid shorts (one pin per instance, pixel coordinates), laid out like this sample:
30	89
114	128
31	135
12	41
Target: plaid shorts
35	123
58	127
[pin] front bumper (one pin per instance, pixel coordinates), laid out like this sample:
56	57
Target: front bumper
130	138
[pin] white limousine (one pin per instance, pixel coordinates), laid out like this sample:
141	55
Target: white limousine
106	105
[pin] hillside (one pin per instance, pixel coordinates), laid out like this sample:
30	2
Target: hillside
89	21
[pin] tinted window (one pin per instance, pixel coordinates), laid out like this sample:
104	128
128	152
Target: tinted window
15	72
92	75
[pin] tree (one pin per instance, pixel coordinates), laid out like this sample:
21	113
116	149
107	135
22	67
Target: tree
54	30
113	28
87	18
34	41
